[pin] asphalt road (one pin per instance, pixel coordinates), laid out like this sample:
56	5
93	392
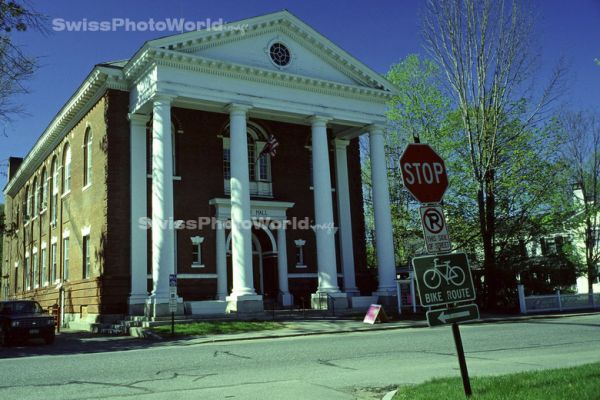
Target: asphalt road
340	366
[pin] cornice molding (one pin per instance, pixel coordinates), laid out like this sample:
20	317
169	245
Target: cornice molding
190	62
88	94
279	22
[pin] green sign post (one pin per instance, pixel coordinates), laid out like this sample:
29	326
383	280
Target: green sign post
443	279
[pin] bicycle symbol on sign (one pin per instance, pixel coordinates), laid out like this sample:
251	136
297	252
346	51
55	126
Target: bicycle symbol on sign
443	271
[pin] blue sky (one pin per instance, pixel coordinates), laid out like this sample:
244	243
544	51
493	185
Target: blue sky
377	33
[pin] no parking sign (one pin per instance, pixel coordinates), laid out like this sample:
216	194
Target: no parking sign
435	230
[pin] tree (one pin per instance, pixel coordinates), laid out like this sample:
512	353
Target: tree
418	110
581	154
15	66
484	50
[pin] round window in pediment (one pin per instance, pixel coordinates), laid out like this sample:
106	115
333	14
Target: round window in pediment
280	54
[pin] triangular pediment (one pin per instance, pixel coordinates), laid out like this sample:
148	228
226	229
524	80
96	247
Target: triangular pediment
249	42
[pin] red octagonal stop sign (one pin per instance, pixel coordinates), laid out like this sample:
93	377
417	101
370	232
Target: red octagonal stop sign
423	173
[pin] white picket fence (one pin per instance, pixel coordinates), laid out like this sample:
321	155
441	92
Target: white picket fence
557	302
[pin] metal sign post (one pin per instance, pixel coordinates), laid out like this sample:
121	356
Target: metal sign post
462	363
173	300
442	279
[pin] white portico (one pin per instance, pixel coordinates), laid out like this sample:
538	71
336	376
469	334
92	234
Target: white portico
264	215
278	69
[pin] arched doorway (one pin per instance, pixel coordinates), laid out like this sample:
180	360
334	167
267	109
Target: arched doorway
264	263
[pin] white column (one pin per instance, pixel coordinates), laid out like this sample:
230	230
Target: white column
282	267
221	262
324	228
138	198
344	216
241	234
163	239
386	265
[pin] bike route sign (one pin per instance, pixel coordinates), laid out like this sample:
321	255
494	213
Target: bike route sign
443	279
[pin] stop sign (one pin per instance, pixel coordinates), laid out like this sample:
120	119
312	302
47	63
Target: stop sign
423	173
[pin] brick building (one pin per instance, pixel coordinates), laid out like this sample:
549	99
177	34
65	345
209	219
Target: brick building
155	166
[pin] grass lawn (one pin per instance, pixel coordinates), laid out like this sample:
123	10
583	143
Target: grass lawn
218	327
567	383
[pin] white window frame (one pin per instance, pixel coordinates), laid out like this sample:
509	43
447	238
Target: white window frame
54	262
28	204
26	271
35	192
35	268
44	193
197	249
258	187
66	170
44	265
86	256
65	256
55	191
87	158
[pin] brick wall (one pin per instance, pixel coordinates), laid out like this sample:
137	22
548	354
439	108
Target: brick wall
82	208
104	207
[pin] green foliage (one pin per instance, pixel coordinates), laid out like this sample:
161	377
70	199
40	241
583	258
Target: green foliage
581	159
418	110
531	191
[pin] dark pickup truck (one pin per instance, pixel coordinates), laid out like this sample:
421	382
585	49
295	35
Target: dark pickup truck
24	319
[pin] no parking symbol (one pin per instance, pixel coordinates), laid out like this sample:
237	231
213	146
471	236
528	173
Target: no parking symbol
434	229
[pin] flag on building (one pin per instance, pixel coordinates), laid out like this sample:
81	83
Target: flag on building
270	147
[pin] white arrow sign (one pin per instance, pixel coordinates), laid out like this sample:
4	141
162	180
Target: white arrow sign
445	317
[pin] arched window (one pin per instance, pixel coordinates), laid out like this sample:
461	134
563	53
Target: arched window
87	157
35	194
259	168
44	190
66	172
54	186
28	201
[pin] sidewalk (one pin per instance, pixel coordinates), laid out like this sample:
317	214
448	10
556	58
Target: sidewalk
296	328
